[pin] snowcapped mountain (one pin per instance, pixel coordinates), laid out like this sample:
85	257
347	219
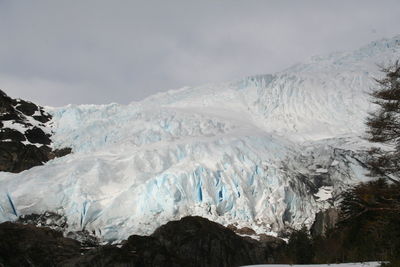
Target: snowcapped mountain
264	152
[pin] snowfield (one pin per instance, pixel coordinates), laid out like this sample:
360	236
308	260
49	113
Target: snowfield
266	152
365	264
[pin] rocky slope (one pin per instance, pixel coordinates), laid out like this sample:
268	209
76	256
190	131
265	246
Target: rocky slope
192	241
25	132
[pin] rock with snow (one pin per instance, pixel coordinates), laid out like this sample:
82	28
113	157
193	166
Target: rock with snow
25	131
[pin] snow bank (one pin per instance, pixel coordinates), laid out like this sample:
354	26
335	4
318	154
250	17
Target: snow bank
365	264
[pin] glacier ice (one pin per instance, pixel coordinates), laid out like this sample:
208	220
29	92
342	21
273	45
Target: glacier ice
266	152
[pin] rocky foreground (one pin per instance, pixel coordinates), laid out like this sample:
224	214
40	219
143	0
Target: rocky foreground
191	241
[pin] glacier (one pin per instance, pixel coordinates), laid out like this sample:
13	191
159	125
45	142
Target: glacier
266	152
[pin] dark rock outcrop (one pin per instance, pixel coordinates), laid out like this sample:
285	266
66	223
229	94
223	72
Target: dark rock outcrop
16	157
242	231
18	109
27	245
59	223
24	138
205	243
191	241
11	135
57	153
36	135
136	251
48	219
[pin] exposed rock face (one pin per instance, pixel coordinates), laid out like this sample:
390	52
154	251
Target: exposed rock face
204	243
136	251
24	135
47	219
27	245
192	241
242	231
16	157
324	220
18	111
59	223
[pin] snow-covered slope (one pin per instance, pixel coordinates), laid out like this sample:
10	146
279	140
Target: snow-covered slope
364	264
265	152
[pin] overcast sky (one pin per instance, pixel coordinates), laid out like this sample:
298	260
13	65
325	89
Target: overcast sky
59	52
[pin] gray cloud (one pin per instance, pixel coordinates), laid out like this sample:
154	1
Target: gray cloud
59	52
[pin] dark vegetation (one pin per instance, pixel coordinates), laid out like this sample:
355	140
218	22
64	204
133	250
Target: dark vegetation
369	214
191	241
384	125
368	229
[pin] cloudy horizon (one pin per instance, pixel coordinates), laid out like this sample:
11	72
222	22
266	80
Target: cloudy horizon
97	52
